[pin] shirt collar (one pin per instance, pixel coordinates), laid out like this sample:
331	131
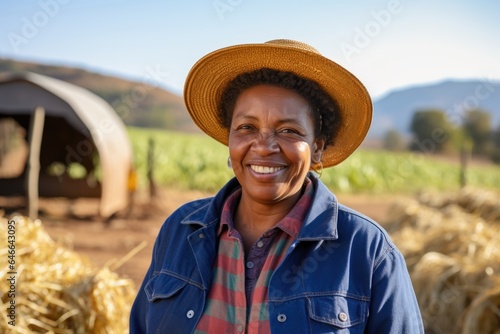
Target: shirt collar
290	224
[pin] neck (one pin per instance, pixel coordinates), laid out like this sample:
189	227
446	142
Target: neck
252	218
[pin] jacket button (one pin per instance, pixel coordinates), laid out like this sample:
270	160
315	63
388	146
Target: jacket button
342	317
281	317
190	314
201	236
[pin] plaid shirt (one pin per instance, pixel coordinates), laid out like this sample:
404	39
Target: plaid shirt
237	301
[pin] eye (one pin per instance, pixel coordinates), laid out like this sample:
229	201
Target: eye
245	127
288	130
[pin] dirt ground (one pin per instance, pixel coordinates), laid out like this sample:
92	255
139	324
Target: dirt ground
75	223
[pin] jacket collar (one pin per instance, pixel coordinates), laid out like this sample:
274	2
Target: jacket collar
320	222
209	214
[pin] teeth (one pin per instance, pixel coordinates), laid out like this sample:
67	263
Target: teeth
265	170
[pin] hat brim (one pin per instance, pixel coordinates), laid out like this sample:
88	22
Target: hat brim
210	76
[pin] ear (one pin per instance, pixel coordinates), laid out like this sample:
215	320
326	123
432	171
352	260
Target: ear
317	150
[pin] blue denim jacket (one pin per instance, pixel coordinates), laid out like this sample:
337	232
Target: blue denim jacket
342	274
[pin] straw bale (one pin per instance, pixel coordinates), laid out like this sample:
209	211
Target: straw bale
482	203
57	290
450	242
483	314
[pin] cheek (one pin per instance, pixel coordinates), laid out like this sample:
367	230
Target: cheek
303	149
297	153
236	146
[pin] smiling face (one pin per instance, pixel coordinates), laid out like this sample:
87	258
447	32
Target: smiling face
272	143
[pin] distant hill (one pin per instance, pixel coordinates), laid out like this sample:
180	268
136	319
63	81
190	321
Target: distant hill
137	103
395	110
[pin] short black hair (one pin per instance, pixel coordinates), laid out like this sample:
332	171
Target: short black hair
324	109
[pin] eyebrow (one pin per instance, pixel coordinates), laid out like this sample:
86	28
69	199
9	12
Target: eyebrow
280	122
289	120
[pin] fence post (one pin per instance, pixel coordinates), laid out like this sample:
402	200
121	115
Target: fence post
150	168
465	152
33	171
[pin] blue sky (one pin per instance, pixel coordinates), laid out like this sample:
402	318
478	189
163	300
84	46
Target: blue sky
387	44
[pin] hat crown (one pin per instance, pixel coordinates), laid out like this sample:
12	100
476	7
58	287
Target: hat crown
293	44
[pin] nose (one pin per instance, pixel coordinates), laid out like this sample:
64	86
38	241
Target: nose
265	143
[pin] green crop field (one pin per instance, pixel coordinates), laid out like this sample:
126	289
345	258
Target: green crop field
190	161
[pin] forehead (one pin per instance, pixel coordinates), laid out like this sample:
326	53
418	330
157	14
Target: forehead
272	100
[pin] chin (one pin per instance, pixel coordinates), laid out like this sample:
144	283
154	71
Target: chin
272	194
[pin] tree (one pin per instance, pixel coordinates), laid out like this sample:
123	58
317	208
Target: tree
477	125
495	152
394	141
432	132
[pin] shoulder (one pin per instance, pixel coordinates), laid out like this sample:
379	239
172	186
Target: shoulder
194	211
193	208
200	212
350	218
365	233
171	243
344	220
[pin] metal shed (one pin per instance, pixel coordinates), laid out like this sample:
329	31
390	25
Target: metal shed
77	127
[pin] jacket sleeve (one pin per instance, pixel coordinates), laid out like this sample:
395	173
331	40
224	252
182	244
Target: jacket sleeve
139	311
140	306
170	247
394	308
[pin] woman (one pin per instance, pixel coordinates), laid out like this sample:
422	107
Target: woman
273	251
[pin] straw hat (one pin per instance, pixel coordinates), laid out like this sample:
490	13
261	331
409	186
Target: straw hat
209	77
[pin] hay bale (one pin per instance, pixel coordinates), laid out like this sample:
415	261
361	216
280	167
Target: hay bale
439	299
485	204
449	290
479	202
483	314
450	242
57	290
